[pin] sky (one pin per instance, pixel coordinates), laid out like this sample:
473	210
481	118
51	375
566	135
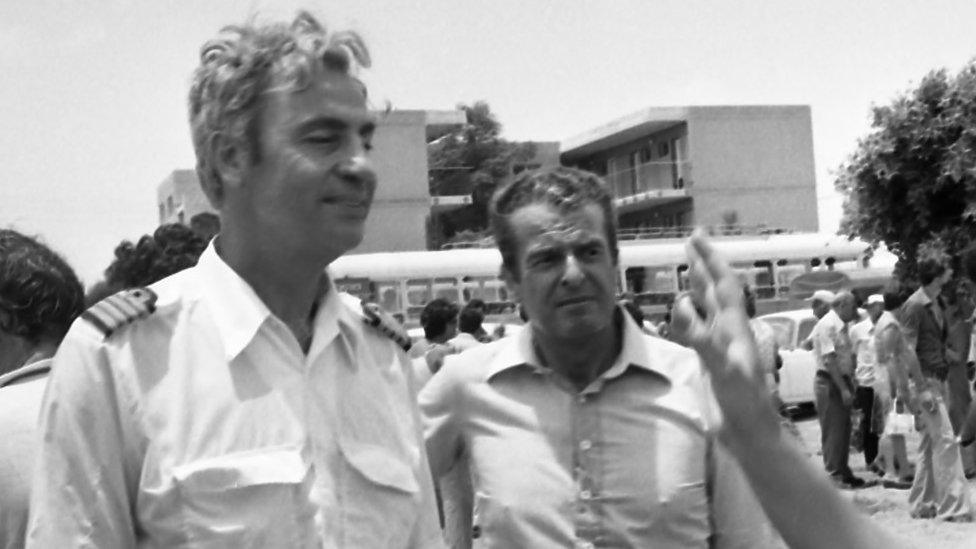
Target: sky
94	92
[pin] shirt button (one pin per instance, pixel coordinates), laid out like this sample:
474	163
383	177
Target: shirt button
581	399
586	495
585	445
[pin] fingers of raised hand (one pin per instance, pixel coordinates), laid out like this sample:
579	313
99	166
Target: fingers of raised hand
687	327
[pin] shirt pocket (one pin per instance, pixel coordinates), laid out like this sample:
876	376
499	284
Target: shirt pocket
684	511
380	466
257	498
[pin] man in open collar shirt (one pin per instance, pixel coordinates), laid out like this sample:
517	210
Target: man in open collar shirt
623	455
939	489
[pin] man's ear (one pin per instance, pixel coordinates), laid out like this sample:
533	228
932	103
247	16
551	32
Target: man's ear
230	163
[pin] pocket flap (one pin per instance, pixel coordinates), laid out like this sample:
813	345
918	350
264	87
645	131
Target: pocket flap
242	469
380	465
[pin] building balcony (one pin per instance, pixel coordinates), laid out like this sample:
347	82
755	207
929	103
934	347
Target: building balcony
649	184
665	175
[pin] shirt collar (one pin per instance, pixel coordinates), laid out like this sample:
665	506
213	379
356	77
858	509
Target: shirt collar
239	313
30	370
634	352
920	296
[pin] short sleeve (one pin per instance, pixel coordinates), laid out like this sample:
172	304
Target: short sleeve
84	475
824	336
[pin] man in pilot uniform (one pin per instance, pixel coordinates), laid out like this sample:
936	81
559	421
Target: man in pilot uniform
244	402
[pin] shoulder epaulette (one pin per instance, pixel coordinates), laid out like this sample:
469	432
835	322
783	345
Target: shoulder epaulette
375	316
120	309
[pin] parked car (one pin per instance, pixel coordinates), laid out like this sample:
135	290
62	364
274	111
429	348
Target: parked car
799	365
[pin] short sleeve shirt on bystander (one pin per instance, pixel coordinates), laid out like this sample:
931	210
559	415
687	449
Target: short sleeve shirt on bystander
830	335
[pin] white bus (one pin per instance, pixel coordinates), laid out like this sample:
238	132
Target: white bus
653	271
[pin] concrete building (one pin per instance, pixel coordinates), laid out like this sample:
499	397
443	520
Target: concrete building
397	220
677	167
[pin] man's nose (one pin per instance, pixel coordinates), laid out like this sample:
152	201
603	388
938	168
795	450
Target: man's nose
357	170
573	273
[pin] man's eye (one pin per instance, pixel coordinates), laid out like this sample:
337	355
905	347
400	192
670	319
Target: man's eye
321	139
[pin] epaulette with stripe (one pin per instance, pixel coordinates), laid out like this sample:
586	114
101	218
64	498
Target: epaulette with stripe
375	316
120	309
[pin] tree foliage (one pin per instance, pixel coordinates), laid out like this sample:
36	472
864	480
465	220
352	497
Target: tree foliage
472	160
911	182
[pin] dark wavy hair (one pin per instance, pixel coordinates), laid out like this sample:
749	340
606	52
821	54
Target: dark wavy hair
566	189
171	248
40	295
436	315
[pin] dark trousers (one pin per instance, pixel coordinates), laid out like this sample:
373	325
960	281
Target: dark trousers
864	401
835	426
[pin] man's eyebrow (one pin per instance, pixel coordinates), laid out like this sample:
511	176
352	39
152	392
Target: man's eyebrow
335	124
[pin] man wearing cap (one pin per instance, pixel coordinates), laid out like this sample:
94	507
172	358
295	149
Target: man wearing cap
834	388
866	377
820	304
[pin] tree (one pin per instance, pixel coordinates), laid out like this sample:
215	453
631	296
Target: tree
472	160
911	182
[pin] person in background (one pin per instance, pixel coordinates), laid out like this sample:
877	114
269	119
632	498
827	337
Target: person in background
939	489
768	351
171	248
439	320
959	315
39	298
245	401
469	323
834	387
820	303
866	377
481	335
896	367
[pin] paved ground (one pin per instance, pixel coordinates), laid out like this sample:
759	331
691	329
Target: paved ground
889	508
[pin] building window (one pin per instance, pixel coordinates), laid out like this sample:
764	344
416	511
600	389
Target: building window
169	205
647	152
162	212
663	150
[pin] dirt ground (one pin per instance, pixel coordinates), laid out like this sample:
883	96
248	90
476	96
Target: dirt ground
889	507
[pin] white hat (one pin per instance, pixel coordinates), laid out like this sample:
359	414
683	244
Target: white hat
825	296
875	298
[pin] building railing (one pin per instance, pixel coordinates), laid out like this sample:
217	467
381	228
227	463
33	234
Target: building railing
650	176
649	233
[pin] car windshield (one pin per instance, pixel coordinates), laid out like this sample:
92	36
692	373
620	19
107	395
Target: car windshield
783	328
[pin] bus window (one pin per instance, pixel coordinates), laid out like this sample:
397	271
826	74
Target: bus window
471	288
446	288
759	277
650	285
683	282
785	275
388	296
418	292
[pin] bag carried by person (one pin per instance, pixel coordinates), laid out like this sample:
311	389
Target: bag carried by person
899	421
